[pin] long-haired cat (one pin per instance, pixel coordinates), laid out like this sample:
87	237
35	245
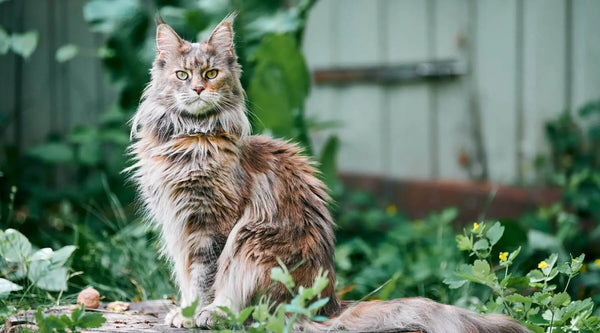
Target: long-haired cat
229	204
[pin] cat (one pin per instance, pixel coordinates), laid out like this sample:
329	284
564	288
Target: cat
229	204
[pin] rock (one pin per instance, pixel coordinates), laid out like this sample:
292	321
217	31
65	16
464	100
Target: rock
89	297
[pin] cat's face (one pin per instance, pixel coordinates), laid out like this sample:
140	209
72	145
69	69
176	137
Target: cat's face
197	78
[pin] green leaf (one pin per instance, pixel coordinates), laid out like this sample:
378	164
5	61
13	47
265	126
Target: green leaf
464	243
327	161
91	320
494	233
66	52
44	276
63	254
244	314
278	274
190	310
4	41
7	286
24	44
14	246
481	244
316	305
53	153
279	85
108	15
455	282
516	298
561	299
42	254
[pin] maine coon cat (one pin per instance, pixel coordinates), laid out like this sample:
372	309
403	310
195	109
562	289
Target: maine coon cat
229	204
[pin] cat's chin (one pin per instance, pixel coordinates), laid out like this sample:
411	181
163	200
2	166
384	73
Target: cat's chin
197	108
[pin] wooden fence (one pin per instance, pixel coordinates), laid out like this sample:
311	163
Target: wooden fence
522	62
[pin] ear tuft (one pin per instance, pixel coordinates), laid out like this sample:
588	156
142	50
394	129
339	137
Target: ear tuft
167	39
222	36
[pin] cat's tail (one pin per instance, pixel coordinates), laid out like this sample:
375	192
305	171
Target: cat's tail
413	315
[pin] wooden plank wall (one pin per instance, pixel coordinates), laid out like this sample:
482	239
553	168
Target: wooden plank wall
528	60
41	96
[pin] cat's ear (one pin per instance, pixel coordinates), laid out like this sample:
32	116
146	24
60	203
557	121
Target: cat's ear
222	37
167	39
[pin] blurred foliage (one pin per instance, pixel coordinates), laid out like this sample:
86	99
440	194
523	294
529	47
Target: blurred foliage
575	158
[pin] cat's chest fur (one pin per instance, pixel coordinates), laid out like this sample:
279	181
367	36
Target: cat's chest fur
194	182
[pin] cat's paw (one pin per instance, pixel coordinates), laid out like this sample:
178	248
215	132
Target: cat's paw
204	318
176	319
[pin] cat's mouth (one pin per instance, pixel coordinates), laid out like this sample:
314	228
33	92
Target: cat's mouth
196	106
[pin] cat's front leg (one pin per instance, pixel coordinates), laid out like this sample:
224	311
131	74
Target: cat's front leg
199	287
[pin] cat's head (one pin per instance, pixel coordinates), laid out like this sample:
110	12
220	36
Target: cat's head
195	87
200	77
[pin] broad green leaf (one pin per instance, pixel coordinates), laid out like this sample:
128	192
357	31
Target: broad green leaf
494	233
24	44
42	254
63	254
7	286
66	52
4	41
190	310
279	84
44	276
53	152
14	246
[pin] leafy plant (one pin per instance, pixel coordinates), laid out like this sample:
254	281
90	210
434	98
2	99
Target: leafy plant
533	299
62	324
266	316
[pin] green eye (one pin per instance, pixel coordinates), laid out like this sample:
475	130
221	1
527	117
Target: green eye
211	74
182	75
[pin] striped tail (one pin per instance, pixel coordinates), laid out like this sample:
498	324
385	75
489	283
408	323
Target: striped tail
413	315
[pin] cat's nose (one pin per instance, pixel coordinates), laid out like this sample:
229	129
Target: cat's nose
198	89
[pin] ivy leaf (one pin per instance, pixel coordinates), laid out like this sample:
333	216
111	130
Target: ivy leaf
66	52
44	276
63	254
24	44
42	254
494	233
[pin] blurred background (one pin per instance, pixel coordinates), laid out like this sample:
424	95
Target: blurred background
410	107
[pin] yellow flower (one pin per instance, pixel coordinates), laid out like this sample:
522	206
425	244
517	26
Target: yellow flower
475	226
391	210
503	256
597	262
574	260
542	264
518	310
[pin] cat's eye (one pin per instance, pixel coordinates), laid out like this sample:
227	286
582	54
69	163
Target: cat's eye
211	74
182	75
